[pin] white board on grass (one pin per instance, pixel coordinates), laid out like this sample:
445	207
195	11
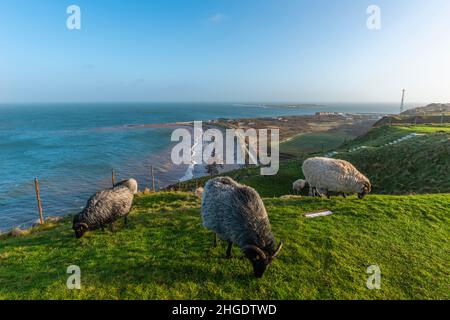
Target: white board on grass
318	214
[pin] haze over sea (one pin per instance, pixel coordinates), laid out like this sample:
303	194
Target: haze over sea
72	148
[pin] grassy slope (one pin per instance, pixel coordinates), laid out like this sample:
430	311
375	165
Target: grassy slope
313	142
165	253
419	165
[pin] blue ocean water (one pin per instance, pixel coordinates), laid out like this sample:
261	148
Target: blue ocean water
72	148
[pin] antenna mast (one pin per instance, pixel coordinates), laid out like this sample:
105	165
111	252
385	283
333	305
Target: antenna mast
402	106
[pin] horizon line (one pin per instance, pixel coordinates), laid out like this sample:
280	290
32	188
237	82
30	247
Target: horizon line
215	102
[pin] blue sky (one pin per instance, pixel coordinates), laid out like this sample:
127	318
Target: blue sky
225	50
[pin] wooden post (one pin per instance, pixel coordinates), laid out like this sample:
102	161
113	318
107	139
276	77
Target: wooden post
38	197
153	179
113	178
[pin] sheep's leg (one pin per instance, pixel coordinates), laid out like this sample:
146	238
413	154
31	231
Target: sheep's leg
328	194
230	245
102	228
316	192
344	195
126	220
111	226
214	240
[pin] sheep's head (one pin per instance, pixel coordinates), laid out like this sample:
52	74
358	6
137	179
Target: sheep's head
303	184
131	184
260	259
80	228
367	188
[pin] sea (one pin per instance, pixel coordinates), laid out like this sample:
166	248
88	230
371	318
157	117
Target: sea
73	148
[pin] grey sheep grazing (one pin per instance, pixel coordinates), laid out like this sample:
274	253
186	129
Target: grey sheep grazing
103	208
237	215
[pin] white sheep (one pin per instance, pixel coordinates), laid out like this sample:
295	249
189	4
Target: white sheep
298	186
333	175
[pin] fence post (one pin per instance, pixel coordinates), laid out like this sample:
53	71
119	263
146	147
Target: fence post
153	179
113	177
38	197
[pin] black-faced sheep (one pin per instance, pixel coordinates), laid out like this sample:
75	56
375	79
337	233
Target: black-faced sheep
237	215
103	208
333	175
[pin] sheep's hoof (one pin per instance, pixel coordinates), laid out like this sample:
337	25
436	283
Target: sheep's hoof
214	243
229	253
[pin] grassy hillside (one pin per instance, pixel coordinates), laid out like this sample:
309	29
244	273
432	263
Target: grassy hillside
418	165
165	253
313	142
413	120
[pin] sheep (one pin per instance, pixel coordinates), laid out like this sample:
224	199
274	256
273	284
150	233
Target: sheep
199	192
104	208
236	214
299	185
130	184
333	175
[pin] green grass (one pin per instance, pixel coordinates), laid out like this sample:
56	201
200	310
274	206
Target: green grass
380	136
420	165
313	142
165	253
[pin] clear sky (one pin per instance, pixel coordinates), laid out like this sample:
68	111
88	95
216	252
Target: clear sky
225	50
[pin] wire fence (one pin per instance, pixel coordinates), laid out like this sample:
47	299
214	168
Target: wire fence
41	216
